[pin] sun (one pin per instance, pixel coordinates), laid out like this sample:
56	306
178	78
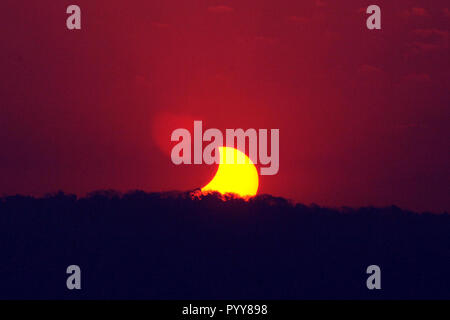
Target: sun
236	174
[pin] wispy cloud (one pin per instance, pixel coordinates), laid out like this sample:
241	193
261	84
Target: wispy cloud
417	77
369	69
429	40
442	34
446	12
160	25
416	12
220	9
320	3
299	19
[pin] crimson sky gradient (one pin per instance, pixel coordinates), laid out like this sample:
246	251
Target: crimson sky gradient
363	115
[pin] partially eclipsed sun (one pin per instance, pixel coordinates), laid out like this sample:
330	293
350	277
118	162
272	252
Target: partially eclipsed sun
236	174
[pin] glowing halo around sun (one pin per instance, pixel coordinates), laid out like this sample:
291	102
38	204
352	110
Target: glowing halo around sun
238	175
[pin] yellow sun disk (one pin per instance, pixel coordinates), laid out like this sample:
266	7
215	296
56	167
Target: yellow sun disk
237	175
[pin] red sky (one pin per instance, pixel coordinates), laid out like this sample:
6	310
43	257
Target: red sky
363	115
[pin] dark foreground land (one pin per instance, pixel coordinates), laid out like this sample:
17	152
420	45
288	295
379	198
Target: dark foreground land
172	246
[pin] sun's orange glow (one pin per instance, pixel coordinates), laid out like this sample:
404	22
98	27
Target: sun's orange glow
236	174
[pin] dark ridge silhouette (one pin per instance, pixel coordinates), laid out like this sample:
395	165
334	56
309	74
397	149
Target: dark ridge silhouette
181	245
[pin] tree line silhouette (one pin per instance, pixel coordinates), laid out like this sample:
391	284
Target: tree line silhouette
184	245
